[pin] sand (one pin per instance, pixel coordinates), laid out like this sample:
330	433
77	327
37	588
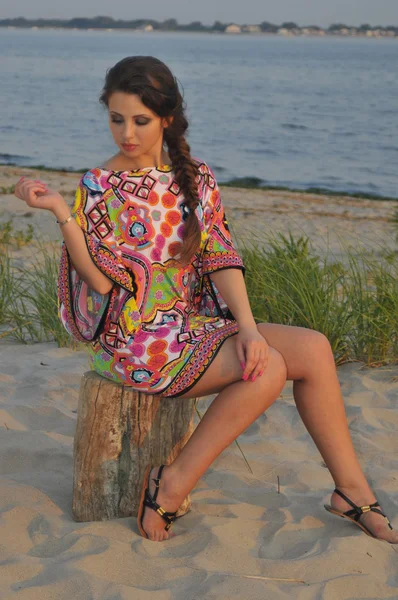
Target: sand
245	538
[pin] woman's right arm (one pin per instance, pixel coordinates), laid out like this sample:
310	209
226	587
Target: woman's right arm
78	252
37	195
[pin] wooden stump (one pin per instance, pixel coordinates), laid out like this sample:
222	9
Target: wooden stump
120	431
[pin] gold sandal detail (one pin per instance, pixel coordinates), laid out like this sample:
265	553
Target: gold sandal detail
354	513
150	501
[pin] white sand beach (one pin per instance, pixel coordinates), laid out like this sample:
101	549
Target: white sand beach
244	538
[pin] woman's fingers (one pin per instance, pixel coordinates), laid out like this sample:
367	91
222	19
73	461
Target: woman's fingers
252	358
22	182
256	363
27	190
260	366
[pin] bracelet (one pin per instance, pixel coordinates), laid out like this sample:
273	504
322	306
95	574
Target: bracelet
66	220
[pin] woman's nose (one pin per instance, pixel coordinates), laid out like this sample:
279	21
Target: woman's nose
129	132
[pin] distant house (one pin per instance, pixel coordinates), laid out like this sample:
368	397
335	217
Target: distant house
283	31
147	27
251	28
233	28
313	31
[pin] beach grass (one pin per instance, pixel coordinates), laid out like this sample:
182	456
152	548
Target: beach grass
354	304
28	294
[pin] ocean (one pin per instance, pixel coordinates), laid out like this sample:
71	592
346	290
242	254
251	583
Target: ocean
298	112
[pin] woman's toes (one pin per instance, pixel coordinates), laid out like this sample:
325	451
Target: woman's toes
153	523
372	520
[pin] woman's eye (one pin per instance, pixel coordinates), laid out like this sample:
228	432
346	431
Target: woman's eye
118	121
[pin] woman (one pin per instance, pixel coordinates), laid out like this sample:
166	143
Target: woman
150	279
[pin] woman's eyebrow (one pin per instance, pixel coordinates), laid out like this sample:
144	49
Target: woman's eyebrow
116	113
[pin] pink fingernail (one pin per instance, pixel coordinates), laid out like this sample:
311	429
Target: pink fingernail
245	377
253	378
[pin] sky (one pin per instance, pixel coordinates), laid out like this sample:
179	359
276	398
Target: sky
302	12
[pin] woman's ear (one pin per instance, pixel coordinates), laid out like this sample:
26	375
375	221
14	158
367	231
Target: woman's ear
167	121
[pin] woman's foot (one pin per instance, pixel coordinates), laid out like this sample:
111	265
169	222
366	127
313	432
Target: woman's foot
373	521
167	498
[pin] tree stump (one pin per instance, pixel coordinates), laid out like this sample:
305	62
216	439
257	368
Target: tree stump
120	431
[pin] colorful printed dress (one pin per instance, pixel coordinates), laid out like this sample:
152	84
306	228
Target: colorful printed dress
160	326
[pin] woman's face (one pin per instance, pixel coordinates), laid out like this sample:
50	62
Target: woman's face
131	122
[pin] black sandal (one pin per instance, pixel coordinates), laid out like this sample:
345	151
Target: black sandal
150	501
356	512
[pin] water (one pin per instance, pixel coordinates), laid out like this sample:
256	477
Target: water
297	112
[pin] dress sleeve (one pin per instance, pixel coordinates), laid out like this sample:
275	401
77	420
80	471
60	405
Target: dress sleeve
219	251
83	311
217	248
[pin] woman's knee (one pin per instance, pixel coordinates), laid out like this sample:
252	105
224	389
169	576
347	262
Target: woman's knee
319	345
318	354
276	366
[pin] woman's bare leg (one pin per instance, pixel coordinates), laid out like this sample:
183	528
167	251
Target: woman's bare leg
317	393
231	412
310	364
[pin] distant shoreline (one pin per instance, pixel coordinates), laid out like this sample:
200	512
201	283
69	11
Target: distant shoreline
287	29
251	183
243	34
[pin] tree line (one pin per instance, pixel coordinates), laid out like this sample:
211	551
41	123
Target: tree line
103	22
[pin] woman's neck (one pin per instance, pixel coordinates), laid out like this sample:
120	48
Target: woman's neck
119	163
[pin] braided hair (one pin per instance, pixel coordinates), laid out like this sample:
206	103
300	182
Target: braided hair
150	79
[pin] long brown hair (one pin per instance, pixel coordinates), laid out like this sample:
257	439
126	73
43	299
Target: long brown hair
151	80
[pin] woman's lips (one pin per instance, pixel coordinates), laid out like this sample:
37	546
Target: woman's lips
130	146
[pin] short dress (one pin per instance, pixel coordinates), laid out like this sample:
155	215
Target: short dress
160	326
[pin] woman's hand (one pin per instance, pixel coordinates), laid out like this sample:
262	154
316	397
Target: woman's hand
252	351
36	194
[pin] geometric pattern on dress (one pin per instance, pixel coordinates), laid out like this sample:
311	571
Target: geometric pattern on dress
114	180
114	336
207	178
201	357
174	188
161	326
145	188
98	217
129	186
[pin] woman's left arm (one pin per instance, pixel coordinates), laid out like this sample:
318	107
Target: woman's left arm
231	285
224	265
251	347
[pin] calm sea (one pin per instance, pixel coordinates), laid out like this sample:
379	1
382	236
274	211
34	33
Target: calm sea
297	112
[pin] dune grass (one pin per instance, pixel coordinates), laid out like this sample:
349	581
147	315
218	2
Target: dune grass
28	295
354	304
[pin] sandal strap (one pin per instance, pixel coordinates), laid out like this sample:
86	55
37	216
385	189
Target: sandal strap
167	516
157	481
150	501
357	511
355	506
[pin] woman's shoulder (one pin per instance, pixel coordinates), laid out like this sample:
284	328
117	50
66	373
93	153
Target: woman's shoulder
200	163
92	182
205	171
